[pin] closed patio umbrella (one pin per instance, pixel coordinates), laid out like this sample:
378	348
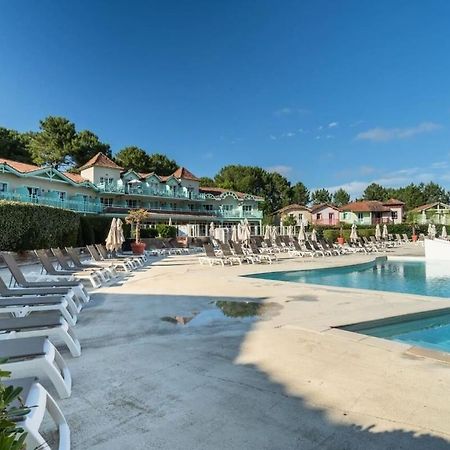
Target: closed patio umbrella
433	231
274	233
119	234
246	232
314	235
444	232
211	229
267	232
234	237
385	232
111	239
290	230
430	229
301	233
354	233
378	231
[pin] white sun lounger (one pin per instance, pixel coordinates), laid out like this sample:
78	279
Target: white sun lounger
49	324
34	395
36	356
23	306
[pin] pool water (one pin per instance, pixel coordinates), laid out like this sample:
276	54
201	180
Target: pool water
430	330
409	277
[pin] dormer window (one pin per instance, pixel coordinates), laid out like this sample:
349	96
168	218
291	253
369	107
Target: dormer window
106	180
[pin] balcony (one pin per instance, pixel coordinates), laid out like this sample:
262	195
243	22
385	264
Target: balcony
114	188
77	205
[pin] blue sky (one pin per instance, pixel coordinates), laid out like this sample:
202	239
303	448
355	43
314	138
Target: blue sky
332	93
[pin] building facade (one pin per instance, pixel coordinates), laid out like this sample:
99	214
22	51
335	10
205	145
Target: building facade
103	187
437	213
299	213
373	212
325	214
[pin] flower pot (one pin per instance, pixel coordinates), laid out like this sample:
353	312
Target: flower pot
340	240
414	237
138	247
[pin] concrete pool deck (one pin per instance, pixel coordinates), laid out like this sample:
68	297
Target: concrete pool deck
287	381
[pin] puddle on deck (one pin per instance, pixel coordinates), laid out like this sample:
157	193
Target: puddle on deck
225	311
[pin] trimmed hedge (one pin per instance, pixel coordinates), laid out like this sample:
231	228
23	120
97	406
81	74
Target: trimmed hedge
93	229
26	226
149	233
369	230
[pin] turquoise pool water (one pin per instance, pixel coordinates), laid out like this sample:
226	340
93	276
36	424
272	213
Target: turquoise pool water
409	277
430	330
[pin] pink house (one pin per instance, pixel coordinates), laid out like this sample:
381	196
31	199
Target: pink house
325	214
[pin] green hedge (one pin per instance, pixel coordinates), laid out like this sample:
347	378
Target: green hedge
166	231
25	226
369	230
149	233
93	229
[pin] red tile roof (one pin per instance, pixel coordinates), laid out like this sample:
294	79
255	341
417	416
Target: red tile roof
393	202
101	160
320	206
293	206
183	173
218	191
75	177
19	166
429	206
365	206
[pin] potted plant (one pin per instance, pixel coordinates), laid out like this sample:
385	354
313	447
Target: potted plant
340	239
136	217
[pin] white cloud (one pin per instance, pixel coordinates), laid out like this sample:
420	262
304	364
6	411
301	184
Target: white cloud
208	155
281	169
287	111
272	137
356	123
320	127
333	124
379	134
289	134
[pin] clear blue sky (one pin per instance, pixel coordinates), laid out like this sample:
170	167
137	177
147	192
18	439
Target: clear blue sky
328	92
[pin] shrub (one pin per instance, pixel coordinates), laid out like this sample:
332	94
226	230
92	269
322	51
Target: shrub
149	233
166	231
11	436
26	226
93	229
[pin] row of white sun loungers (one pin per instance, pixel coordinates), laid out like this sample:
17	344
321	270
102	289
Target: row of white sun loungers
39	310
267	251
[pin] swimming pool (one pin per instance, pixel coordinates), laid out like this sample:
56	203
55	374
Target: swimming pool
429	329
405	276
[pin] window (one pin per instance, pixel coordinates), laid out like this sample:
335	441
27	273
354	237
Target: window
61	195
33	191
227	207
106	180
247	208
360	216
131	203
394	215
318	216
208	207
3	187
106	202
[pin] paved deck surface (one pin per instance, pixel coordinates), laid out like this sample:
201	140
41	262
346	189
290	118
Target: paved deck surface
287	381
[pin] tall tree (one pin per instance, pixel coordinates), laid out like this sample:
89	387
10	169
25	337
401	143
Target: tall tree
54	143
133	158
14	145
300	194
433	192
321	196
86	145
207	182
341	197
161	164
276	191
241	178
375	192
